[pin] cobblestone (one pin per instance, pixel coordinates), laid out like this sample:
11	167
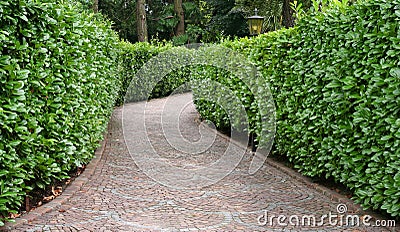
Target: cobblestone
119	196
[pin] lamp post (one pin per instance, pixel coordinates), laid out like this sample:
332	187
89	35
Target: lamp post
255	27
255	23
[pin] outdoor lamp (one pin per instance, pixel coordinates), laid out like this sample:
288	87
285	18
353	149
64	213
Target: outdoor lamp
255	23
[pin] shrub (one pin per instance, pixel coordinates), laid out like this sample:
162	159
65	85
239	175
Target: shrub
213	112
59	81
134	56
335	79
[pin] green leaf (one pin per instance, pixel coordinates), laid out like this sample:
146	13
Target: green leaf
395	72
333	84
23	17
386	138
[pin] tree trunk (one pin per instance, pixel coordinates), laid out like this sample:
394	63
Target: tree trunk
287	14
141	21
96	6
180	28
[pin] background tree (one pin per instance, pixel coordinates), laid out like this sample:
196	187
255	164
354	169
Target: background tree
180	27
122	13
184	21
287	14
141	21
160	20
225	20
95	6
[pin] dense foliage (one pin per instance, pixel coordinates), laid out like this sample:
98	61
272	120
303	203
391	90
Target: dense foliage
59	81
225	20
202	78
205	20
336	84
133	57
121	13
161	20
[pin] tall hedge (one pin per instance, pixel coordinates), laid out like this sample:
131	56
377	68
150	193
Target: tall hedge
59	82
335	79
133	57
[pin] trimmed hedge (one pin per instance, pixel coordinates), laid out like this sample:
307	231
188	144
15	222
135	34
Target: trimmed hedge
335	79
134	56
59	82
204	75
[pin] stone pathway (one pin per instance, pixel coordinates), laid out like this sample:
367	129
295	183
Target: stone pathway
119	196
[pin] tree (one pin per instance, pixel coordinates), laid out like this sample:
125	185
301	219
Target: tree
225	20
122	13
180	27
287	14
161	22
141	22
96	6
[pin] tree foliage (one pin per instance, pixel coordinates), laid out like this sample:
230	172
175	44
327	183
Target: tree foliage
122	14
225	20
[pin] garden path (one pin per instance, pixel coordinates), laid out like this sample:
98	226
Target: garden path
115	194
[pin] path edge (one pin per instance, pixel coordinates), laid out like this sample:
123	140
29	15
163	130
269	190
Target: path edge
71	189
332	195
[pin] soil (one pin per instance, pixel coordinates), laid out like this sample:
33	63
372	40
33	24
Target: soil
39	197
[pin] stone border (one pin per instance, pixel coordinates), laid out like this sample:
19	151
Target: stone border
69	191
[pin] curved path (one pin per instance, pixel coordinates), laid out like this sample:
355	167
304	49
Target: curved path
118	196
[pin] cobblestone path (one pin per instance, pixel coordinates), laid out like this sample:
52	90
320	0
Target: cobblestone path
119	196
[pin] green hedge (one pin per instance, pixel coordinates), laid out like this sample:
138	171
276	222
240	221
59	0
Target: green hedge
202	77
59	82
134	56
210	110
335	79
